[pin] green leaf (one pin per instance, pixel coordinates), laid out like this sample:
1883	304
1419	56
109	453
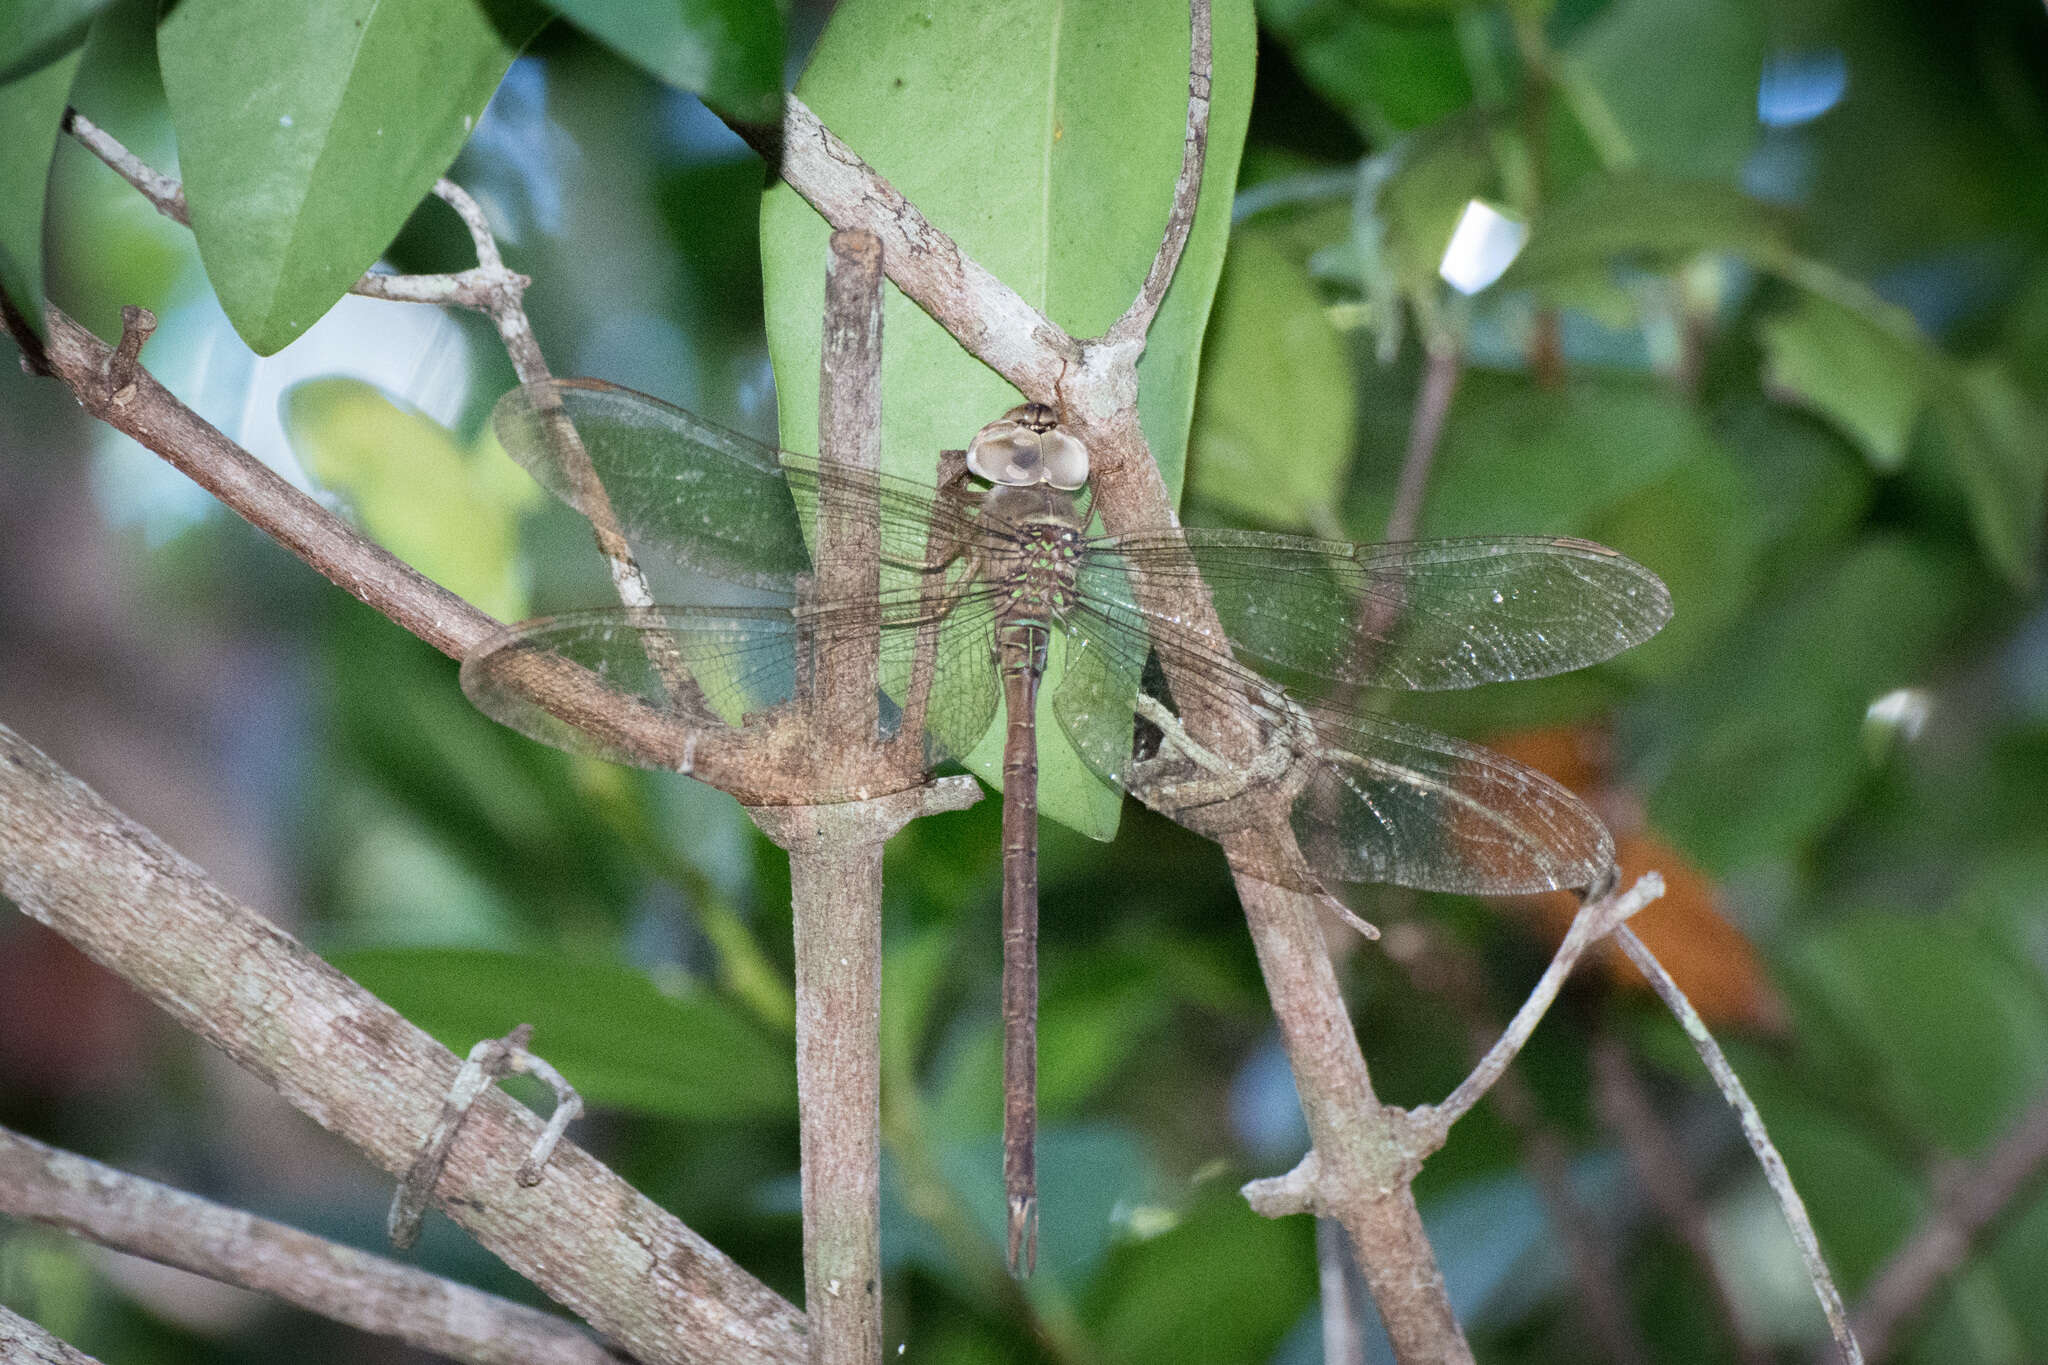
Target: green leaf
1677	80
1991	434
1869	378
728	51
621	1043
1089	1175
1943	1030
309	130
1812	487
1273	416
1224	1284
1701	528
1520	459
1772	746
1046	140
1653	219
1092	1011
450	513
31	108
1390	72
34	33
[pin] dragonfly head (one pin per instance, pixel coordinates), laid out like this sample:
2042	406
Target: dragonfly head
1027	446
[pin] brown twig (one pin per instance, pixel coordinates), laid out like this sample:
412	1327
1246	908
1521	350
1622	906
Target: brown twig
24	1343
984	315
1619	1099
1441	967
159	189
835	858
1445	363
1972	1198
1753	1130
143	1218
359	1069
488	1062
1596	920
1187	188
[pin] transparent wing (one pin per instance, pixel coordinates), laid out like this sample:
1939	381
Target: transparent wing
708	499
1371	799
742	663
1419	616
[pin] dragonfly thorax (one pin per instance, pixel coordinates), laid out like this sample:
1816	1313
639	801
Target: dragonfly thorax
1036	558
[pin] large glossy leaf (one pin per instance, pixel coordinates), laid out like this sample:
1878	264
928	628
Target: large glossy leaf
1273	421
309	130
1045	138
622	1043
728	51
30	109
34	33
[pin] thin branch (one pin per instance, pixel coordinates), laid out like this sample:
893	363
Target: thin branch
1439	966
1596	919
163	191
987	317
148	412
143	1218
24	1343
358	1068
1446	362
1974	1195
1619	1099
835	858
1779	1178
1187	190
488	288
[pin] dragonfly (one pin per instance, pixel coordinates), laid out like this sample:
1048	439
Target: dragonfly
996	582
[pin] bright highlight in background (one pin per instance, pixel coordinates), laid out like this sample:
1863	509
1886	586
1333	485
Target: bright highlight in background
1798	87
1484	244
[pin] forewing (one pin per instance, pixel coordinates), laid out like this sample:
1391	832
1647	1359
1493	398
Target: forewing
708	499
1418	616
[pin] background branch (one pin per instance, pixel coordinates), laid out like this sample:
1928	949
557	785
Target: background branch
143	1218
1973	1196
356	1067
24	1343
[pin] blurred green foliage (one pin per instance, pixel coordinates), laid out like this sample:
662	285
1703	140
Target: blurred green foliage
1779	331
